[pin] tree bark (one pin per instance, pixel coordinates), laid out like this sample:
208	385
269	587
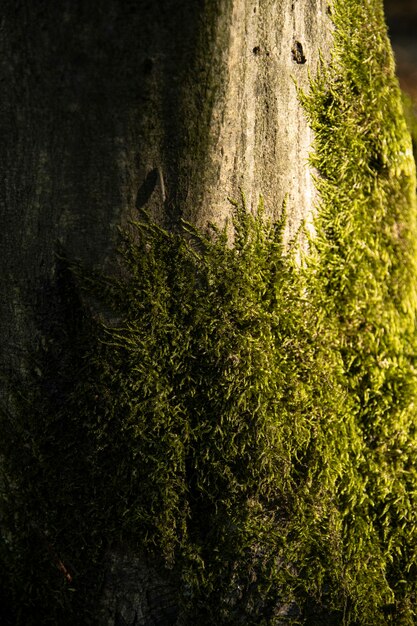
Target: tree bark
168	105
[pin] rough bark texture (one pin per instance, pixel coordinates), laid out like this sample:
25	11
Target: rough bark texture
136	593
169	105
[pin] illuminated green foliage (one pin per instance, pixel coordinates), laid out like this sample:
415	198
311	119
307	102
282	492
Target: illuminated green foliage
365	261
248	420
225	385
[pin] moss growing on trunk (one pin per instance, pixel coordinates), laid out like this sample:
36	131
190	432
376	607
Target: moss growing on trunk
365	261
248	420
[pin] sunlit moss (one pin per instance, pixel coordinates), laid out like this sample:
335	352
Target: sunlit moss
247	420
365	261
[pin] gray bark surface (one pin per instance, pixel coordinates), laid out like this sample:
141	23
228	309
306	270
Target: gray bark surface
168	105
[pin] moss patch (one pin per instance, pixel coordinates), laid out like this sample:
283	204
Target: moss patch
249	421
365	263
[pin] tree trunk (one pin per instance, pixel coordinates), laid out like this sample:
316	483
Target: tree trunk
170	105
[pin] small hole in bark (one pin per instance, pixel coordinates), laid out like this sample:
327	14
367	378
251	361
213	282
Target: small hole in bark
147	66
146	189
257	50
298	53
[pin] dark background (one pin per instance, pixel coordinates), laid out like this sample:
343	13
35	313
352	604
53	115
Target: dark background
402	24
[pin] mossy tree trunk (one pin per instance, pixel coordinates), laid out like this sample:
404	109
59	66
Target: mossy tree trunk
111	107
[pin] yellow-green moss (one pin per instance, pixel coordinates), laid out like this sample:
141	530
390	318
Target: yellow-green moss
365	259
248	420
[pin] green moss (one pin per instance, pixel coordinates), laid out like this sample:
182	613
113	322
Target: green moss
249	421
410	112
365	261
221	379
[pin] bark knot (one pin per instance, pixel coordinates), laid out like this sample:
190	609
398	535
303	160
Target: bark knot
297	53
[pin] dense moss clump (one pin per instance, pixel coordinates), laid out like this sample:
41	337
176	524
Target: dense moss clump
197	426
248	420
366	264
